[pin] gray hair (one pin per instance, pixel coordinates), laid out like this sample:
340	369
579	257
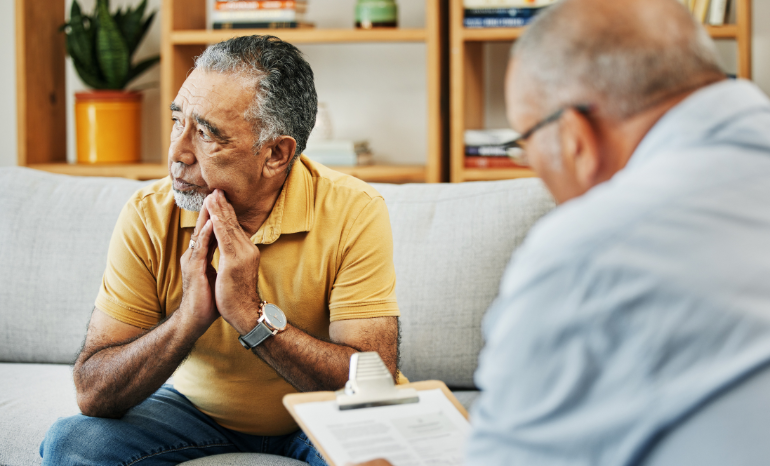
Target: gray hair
622	62
285	101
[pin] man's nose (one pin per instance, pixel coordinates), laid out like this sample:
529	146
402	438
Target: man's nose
181	150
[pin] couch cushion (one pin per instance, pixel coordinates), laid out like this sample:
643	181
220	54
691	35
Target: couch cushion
244	459
466	397
32	398
451	245
54	234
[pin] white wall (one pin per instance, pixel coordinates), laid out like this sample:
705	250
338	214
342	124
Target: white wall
7	84
373	91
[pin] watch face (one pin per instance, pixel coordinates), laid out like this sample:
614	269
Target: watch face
274	316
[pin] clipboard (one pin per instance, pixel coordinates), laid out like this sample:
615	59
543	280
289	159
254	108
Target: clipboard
387	394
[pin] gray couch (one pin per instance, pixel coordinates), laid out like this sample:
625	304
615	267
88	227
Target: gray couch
452	243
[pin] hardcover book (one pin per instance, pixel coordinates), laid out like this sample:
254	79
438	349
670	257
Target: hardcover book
256	16
501	12
490	162
236	5
259	25
506	3
486	22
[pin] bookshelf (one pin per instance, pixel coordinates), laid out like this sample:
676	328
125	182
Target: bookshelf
466	70
184	36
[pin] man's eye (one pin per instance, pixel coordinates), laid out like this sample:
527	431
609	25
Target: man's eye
177	123
203	135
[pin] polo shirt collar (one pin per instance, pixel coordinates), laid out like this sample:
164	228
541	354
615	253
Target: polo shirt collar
292	213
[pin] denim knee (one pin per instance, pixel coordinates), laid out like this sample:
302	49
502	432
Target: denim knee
75	440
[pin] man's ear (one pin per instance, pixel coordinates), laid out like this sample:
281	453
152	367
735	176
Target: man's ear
278	156
580	148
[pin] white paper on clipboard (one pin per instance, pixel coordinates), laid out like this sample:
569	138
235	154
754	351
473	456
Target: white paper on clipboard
430	432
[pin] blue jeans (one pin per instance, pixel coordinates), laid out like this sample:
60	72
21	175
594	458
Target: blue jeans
164	429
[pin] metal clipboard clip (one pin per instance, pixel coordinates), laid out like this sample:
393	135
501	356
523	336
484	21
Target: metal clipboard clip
371	384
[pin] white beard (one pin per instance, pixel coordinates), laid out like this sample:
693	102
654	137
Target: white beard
189	200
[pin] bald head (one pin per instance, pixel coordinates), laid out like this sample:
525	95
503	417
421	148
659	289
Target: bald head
620	55
605	71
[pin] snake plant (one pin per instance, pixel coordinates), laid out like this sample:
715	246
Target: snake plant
102	45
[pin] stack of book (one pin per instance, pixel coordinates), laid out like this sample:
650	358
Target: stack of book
489	149
256	14
501	13
340	153
712	12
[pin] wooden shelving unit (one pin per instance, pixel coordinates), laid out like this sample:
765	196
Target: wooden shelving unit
41	94
184	36
466	64
304	36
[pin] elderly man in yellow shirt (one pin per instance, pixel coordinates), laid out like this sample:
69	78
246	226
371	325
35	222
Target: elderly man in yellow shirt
249	273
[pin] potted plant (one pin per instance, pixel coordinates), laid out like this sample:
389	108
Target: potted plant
108	119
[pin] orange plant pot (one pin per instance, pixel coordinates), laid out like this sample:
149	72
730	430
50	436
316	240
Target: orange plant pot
108	126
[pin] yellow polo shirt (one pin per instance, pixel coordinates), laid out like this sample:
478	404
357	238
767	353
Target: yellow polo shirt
326	255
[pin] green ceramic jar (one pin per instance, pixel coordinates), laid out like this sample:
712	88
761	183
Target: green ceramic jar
376	14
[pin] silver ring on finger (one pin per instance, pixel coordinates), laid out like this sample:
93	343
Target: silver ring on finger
192	244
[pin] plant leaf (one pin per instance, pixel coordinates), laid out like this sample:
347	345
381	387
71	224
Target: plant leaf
141	67
112	51
92	80
118	17
132	26
79	45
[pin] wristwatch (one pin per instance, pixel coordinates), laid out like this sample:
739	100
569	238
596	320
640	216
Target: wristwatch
271	322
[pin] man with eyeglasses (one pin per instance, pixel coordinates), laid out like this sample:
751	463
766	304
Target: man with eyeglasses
646	293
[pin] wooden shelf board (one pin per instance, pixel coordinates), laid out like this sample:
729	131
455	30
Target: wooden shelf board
387	173
489	174
491	34
149	171
136	171
302	36
728	31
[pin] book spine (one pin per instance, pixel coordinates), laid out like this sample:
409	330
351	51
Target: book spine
718	12
507	3
700	10
258	25
258	5
496	22
501	12
490	162
732	12
255	16
487	151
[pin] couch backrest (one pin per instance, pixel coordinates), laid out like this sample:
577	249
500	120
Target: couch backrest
451	245
54	234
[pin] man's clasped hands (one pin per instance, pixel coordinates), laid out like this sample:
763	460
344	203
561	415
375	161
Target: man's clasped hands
227	290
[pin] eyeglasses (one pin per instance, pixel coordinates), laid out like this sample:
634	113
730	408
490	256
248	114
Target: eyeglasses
516	149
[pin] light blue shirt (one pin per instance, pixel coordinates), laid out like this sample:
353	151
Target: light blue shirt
627	308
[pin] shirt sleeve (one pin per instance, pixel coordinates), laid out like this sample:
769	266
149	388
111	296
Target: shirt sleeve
129	288
365	285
